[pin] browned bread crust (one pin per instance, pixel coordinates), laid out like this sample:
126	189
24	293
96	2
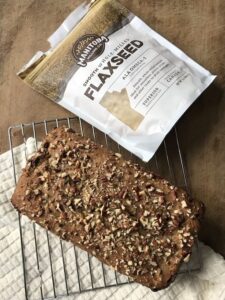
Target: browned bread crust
132	220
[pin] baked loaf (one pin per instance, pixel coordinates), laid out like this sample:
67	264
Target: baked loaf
132	220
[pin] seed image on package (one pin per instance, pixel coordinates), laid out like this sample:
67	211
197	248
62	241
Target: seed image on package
118	104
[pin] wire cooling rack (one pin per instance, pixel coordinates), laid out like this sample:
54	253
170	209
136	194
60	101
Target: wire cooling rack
53	268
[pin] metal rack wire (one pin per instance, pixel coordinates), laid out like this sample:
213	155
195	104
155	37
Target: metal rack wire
42	260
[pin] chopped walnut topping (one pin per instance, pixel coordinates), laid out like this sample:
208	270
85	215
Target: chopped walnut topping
151	188
168	253
27	192
45	174
112	206
117	211
146	248
187	258
146	213
77	201
141	193
184	204
187	234
36	192
53	163
40	213
140	249
42	178
153	263
123	207
87	227
110	219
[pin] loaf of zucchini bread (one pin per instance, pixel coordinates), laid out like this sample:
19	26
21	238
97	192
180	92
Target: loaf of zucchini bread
130	219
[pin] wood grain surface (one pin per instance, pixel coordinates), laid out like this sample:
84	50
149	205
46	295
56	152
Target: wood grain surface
196	26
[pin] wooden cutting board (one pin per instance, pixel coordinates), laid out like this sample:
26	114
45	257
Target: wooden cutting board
196	26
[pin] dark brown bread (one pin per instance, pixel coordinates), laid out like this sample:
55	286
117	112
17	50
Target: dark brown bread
132	220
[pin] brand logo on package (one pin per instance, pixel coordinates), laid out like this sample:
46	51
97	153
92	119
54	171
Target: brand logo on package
88	47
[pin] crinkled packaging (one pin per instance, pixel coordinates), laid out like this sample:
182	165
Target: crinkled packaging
111	69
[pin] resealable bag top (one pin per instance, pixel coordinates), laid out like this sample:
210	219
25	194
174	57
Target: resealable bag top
111	69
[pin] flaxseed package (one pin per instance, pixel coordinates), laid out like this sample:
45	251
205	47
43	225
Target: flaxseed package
111	69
